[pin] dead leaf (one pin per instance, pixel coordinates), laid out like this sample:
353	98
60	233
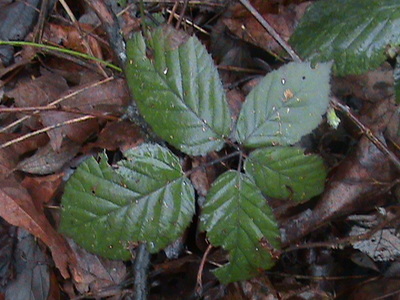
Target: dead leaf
111	97
17	209
46	160
283	20
70	37
42	189
121	135
39	91
78	132
95	273
32	279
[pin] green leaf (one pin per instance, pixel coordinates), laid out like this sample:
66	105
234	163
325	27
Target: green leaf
285	172
237	217
284	106
354	33
178	92
147	200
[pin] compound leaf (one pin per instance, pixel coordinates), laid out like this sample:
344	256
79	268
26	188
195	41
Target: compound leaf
237	217
284	106
178	91
285	172
354	33
147	199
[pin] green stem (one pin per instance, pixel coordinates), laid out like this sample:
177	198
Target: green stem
63	50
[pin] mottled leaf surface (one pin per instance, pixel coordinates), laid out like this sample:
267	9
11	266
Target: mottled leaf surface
178	91
286	173
237	217
287	104
147	199
354	33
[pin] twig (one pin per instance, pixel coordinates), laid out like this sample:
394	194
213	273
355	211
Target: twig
34	109
43	130
199	284
271	30
173	14
140	266
178	24
344	241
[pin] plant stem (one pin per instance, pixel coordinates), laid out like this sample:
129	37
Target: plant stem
140	267
62	50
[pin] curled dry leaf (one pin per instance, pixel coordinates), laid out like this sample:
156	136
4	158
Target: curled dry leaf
16	207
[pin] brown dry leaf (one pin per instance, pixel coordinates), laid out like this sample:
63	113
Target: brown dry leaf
71	38
121	135
42	188
16	207
46	160
39	91
24	146
111	97
199	177
77	132
8	161
235	100
371	86
95	273
246	27
9	156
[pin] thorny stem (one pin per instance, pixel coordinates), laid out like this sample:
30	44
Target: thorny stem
334	101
